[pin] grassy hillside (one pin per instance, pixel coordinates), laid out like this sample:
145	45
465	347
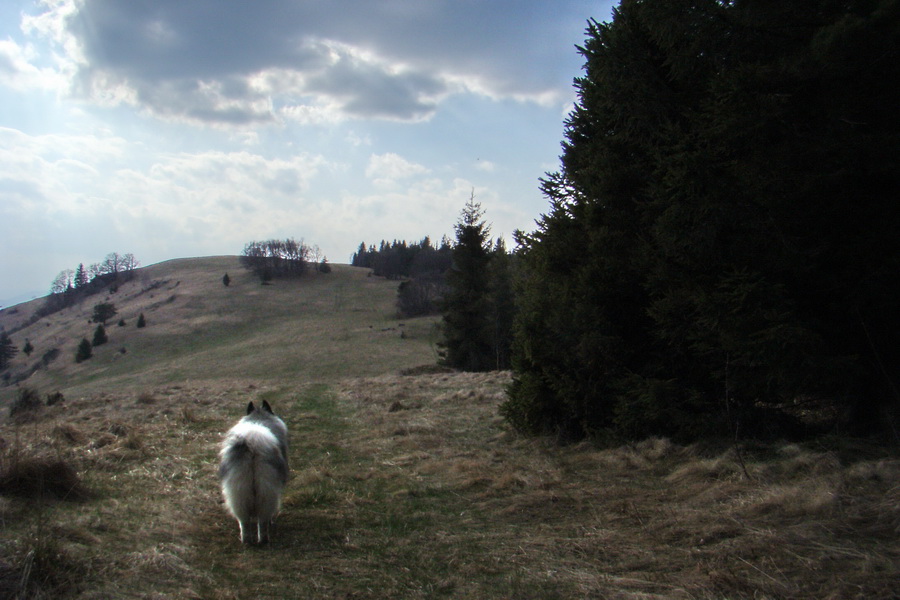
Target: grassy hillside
318	328
404	484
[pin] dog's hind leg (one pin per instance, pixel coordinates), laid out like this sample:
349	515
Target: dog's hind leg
246	529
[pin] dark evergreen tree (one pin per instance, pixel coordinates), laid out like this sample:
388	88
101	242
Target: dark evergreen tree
100	336
28	348
141	322
7	350
721	240
226	280
467	344
358	258
84	351
81	277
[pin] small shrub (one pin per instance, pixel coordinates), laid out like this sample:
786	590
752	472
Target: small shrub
55	398
26	404
50	355
121	322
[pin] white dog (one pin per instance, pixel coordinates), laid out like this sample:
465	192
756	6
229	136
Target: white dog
253	469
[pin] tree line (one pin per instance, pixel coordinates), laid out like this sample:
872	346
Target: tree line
81	277
276	258
402	259
71	286
720	255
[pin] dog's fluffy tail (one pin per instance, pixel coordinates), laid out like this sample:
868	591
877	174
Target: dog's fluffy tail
253	471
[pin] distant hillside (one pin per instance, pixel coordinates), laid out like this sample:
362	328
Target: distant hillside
316	328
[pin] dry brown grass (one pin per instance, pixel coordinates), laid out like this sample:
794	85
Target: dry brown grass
644	520
413	487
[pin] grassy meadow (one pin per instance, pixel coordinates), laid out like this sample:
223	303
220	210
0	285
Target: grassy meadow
406	483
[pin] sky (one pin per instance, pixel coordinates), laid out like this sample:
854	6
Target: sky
174	128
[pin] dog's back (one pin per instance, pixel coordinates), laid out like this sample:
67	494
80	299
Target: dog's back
253	470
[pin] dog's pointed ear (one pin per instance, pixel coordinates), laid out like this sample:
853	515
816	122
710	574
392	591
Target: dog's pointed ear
267	408
250	408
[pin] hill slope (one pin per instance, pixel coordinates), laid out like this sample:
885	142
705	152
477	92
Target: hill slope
317	328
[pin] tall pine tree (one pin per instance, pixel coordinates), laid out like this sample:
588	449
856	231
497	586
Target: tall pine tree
466	329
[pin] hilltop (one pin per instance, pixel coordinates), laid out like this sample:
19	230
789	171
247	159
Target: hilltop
315	328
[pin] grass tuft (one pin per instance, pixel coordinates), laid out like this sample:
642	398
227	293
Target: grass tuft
39	478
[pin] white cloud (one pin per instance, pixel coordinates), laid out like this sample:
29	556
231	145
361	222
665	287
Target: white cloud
18	72
485	165
387	169
356	140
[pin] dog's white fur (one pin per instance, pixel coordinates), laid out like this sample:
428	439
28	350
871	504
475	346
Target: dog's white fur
253	470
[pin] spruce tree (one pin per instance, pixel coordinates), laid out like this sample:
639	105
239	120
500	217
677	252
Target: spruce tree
81	278
466	344
84	351
100	336
141	322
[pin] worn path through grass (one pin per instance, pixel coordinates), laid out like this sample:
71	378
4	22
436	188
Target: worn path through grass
356	523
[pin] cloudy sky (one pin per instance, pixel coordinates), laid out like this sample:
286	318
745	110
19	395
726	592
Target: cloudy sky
175	128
